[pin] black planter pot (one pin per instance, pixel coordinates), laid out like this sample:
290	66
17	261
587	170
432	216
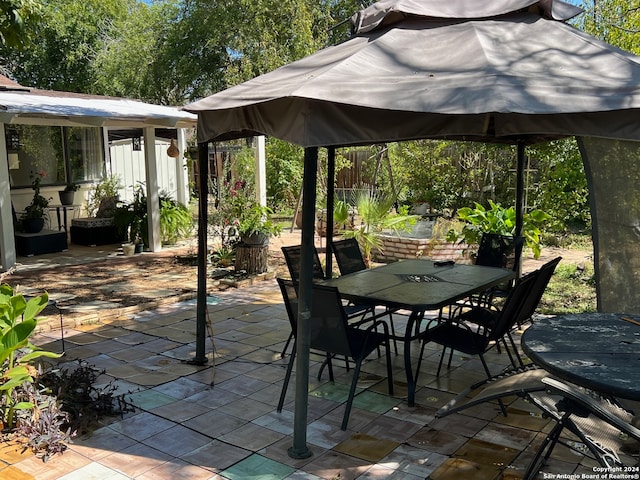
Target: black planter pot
32	225
66	198
255	239
139	248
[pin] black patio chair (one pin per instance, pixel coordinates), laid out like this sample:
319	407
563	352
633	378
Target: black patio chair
331	333
601	423
501	251
349	259
292	256
290	299
457	334
487	317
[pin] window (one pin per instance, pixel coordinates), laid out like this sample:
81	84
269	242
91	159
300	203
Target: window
73	153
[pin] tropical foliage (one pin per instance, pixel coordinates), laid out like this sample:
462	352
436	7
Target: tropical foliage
499	220
17	323
376	213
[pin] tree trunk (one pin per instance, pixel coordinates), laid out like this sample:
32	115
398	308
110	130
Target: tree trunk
252	258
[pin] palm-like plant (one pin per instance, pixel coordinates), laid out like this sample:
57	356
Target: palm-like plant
376	212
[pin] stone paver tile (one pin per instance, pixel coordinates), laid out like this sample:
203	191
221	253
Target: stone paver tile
129	354
93	306
94	471
180	411
13	452
254	466
142	426
177	441
457	468
136	460
214	423
13	473
332	464
367	447
413	461
152	379
180	388
252	437
101	443
148	399
216	456
55	467
246	409
176	469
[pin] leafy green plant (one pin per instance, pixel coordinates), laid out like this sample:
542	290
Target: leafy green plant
71	187
106	188
224	256
375	211
36	209
499	220
255	220
17	323
176	221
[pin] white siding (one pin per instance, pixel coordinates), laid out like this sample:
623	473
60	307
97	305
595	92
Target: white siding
129	166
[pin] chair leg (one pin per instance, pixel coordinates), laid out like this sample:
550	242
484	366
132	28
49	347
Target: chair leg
393	331
543	453
389	368
444	349
286	345
352	392
287	377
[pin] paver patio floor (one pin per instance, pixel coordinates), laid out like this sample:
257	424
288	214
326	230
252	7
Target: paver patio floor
219	421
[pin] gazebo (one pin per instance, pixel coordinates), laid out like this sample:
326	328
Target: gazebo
501	71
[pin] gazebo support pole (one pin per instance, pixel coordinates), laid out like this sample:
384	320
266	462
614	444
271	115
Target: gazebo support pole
331	200
520	173
203	208
305	295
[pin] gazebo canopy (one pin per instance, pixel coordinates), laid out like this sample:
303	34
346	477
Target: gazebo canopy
498	71
504	71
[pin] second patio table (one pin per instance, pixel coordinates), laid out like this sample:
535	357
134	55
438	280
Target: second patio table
417	286
599	351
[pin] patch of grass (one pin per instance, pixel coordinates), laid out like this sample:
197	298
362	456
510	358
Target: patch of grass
571	290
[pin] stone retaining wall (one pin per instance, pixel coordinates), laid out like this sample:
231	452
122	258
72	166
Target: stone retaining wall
397	248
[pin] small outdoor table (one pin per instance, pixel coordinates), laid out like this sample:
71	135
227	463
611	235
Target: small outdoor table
61	214
598	351
417	286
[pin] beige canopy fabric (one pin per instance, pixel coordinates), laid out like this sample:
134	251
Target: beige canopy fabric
502	72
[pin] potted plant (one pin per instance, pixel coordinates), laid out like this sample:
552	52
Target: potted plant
499	220
254	225
130	219
67	195
33	217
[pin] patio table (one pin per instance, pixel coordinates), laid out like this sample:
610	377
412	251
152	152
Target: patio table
598	351
417	286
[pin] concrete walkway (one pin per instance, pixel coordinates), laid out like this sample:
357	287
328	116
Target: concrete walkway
219	421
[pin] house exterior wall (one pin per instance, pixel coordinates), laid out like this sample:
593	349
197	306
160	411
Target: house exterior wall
129	165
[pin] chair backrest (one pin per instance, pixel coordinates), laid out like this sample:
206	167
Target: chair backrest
510	314
348	256
328	323
542	280
290	297
292	256
499	250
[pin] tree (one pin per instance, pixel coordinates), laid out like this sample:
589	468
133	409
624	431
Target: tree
68	38
15	16
615	21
